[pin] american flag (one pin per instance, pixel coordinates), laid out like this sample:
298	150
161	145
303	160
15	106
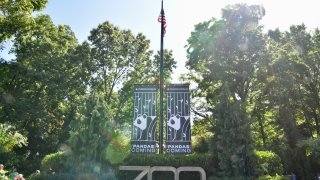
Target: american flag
164	22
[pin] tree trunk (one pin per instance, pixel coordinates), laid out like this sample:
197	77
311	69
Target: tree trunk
263	134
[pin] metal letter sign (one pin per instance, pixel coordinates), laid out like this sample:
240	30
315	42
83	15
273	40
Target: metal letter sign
147	170
178	119
143	137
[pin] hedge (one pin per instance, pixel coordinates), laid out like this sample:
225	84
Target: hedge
62	166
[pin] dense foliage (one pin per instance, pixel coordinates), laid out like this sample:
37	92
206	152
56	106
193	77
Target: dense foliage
256	99
225	55
16	16
259	91
62	164
57	93
57	163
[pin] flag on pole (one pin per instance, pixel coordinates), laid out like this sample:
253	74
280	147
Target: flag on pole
160	19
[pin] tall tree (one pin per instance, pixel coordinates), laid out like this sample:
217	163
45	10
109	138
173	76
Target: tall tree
225	55
307	74
112	51
294	91
119	60
41	82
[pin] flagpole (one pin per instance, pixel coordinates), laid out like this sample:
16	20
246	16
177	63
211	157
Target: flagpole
161	82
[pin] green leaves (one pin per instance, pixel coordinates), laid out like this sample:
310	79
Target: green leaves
92	130
10	139
268	85
41	86
115	56
17	15
269	163
225	55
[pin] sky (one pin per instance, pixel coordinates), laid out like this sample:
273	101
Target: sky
140	16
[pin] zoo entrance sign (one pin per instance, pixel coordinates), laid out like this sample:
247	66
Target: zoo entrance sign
145	119
147	170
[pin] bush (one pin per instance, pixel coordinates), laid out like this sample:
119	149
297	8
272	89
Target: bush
269	163
56	162
45	176
65	166
312	152
277	177
202	160
62	166
200	145
10	159
72	176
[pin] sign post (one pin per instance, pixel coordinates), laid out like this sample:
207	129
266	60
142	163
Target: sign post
162	21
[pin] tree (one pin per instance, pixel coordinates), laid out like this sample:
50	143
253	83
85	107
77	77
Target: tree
41	83
307	74
293	85
169	64
17	15
225	56
112	53
92	130
119	60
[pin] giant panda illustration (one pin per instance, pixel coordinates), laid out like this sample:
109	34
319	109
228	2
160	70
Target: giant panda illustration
141	122
174	122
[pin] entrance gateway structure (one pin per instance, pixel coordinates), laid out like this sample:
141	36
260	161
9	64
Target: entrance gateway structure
144	124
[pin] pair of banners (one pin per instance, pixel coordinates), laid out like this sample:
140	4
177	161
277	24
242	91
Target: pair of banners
145	117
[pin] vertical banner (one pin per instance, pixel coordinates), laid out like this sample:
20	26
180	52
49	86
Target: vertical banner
143	137
178	130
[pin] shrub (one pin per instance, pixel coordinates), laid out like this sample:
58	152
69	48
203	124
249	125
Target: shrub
56	162
311	149
63	165
269	163
200	145
10	159
58	176
277	177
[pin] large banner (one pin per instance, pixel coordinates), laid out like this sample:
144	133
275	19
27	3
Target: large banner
144	123
178	130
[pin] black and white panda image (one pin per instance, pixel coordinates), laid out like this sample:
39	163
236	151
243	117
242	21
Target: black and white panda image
141	122
175	122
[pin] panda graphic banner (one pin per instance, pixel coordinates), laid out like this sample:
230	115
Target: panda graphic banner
178	130
143	137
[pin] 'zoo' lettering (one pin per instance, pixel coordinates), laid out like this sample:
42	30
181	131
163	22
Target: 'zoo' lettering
149	170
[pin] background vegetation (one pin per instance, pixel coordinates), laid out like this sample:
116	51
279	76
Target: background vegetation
256	96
